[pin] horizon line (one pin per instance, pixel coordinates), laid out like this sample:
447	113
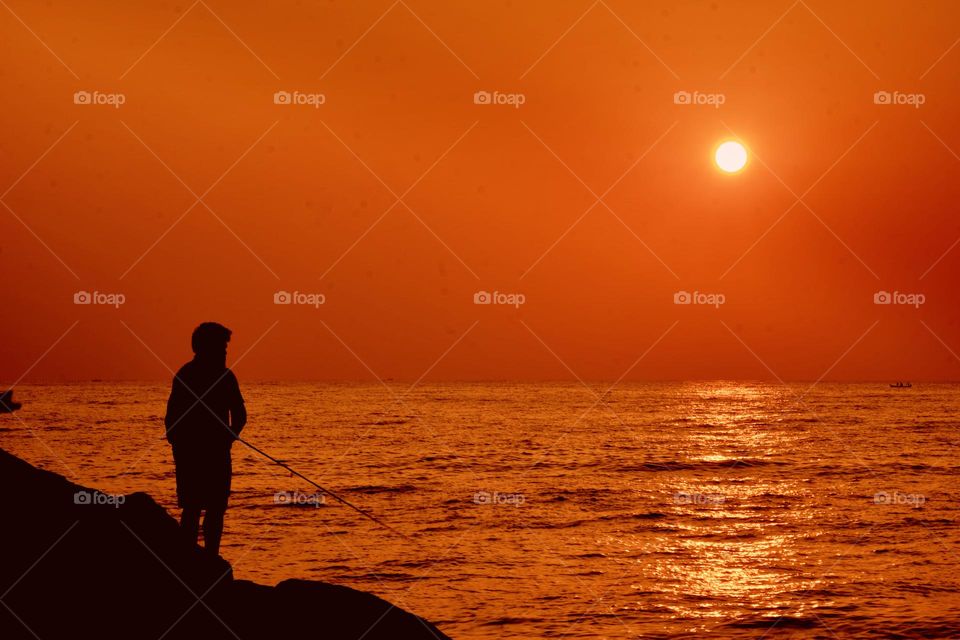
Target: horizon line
402	381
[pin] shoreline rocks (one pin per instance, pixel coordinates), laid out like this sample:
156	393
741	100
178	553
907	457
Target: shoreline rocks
76	563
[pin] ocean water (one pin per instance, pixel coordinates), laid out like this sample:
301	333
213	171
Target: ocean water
558	510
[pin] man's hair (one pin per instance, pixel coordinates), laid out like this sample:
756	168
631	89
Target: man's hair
208	336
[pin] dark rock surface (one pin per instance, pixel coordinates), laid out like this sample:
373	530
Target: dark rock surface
118	568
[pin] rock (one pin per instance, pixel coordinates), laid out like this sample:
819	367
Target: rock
76	563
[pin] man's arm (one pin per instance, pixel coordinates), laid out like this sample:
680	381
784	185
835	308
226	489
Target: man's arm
238	411
177	405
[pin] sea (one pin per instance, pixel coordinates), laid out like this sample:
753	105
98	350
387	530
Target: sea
555	510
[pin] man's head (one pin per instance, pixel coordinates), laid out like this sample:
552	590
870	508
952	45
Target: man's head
209	341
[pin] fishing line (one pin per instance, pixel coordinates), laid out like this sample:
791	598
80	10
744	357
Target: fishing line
327	491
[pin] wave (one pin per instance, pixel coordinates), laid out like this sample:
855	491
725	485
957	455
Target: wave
652	515
377	488
927	522
436	458
769	622
499	622
700	465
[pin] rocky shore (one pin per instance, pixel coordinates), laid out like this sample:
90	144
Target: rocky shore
76	563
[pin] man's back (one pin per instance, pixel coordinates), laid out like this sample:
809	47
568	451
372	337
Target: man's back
202	402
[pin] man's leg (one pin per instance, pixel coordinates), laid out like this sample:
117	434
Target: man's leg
213	529
190	524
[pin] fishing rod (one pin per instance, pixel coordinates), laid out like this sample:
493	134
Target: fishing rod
327	491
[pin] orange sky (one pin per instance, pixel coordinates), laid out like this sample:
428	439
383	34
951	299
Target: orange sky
305	199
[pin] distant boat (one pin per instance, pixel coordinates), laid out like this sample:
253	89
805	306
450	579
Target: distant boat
7	405
902	385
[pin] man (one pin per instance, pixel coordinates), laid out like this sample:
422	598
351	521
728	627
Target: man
205	414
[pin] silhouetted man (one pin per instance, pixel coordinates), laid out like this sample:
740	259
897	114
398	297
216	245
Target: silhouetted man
205	414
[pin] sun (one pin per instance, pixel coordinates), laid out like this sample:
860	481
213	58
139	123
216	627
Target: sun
731	156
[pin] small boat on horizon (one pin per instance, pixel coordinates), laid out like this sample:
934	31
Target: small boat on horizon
901	385
7	405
